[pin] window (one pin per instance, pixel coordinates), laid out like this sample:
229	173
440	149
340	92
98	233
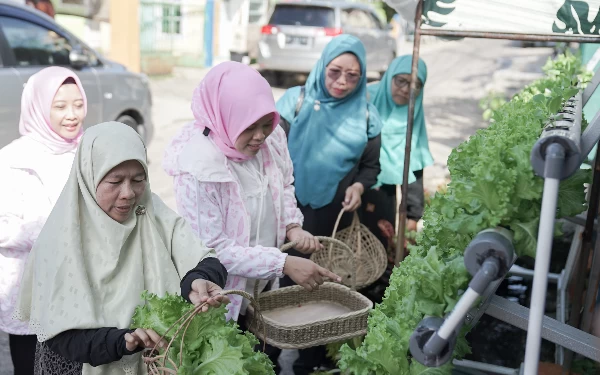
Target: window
171	19
297	15
33	45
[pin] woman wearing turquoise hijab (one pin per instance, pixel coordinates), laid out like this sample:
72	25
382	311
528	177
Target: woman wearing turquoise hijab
390	96
334	142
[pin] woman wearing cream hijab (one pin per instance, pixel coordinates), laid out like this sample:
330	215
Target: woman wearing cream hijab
107	239
33	171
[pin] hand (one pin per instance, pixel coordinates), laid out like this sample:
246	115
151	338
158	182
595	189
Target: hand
145	338
207	291
306	273
306	243
352	201
411	225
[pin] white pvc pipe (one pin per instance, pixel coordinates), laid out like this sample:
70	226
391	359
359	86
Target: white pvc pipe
458	314
540	278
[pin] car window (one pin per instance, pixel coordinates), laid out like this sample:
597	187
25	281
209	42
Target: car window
357	18
303	16
34	45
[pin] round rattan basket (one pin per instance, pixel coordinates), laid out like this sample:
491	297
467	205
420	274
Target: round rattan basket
370	256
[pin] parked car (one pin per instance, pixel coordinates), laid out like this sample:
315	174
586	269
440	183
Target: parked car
31	41
299	30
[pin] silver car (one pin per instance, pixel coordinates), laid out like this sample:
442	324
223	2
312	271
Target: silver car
31	41
299	30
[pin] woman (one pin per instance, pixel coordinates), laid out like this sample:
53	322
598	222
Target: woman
233	184
390	96
334	142
37	165
115	239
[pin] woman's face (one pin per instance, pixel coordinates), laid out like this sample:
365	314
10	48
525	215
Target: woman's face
342	75
249	142
121	189
67	112
401	88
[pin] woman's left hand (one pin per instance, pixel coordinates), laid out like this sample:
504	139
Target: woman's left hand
306	243
352	201
207	291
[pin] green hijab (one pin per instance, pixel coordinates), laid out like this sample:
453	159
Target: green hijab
395	121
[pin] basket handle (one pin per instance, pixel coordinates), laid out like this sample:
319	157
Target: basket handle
355	228
332	241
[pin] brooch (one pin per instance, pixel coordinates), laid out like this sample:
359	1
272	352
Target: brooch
140	210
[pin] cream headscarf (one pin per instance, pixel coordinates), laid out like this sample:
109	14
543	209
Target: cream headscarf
86	270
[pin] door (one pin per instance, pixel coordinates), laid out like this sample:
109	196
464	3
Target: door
34	47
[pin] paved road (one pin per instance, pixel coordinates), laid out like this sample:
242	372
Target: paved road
460	74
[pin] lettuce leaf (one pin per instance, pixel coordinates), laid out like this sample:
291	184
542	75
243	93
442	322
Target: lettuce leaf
212	346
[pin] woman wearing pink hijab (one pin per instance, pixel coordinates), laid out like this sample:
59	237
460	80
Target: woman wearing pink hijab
33	171
233	181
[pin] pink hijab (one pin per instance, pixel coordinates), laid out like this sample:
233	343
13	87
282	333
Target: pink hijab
36	102
230	98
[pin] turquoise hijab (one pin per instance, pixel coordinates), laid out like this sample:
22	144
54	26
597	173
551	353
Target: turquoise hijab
328	136
395	121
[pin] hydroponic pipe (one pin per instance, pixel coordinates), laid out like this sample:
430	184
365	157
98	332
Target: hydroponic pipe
488	272
488	257
554	162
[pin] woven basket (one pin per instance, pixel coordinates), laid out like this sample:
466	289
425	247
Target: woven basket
295	318
370	256
157	364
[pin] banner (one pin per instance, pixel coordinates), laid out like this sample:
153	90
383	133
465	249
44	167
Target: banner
544	17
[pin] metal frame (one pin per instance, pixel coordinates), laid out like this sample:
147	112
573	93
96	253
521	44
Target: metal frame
554	330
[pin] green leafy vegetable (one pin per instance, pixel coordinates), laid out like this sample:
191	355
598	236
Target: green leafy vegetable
492	184
211	345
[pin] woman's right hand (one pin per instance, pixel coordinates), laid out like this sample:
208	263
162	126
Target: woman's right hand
307	273
144	338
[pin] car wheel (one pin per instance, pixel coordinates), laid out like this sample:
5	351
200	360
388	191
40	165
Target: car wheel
275	78
130	121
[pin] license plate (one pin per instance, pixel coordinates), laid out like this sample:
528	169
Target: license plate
296	40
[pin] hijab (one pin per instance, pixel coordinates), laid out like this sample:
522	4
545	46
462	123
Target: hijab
36	102
231	98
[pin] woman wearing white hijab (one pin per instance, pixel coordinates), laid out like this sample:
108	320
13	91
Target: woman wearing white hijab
33	171
107	239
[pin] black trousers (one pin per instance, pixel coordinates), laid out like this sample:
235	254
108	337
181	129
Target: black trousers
381	205
22	352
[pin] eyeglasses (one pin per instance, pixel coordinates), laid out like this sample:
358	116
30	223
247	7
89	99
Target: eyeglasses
401	83
335	74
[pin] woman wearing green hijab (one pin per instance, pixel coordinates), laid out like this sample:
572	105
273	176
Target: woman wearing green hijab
334	143
390	97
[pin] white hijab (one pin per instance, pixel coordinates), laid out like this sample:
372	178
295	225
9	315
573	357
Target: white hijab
86	270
